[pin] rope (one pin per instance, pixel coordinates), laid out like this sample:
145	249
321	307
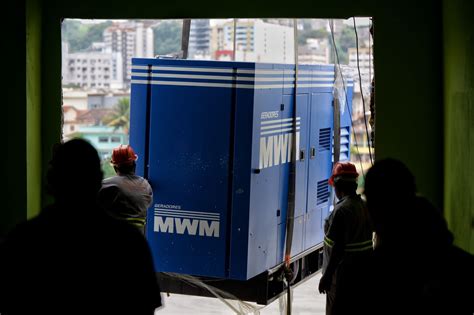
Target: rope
361	90
290	212
237	306
345	94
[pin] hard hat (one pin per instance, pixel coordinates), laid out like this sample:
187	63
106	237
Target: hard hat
345	171
123	155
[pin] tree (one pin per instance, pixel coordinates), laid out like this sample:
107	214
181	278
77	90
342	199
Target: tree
344	40
81	36
120	117
167	37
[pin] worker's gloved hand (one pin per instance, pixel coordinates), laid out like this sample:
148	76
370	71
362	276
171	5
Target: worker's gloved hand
324	284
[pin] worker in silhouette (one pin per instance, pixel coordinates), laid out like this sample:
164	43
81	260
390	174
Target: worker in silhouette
126	196
347	246
417	269
73	258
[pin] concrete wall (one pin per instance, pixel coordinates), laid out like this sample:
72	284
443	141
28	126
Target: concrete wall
33	105
13	194
459	120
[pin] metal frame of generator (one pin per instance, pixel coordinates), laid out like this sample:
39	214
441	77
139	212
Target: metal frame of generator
214	140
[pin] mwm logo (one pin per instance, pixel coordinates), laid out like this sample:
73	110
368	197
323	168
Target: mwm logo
186	222
276	138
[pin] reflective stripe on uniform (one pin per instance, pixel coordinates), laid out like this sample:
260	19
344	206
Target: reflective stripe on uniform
361	249
352	247
359	246
328	241
136	221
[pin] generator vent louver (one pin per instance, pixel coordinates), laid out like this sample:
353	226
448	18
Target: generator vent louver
322	195
324	139
345	142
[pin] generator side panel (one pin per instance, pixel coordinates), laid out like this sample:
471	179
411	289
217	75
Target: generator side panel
320	166
139	106
301	180
242	172
320	157
189	160
265	177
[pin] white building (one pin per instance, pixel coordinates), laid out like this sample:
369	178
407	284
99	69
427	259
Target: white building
75	98
130	40
316	51
366	65
199	39
70	120
255	41
92	69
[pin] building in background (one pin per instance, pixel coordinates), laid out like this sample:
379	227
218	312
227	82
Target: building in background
70	120
199	39
75	97
107	100
337	24
103	138
316	51
366	65
74	119
255	41
99	68
129	39
361	110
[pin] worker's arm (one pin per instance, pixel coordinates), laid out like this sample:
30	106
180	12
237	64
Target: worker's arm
336	237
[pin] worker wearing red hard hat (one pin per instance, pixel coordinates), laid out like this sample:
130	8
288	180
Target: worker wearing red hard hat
347	246
126	196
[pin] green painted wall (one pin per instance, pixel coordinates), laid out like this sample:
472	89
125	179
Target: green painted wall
33	107
459	120
13	194
50	87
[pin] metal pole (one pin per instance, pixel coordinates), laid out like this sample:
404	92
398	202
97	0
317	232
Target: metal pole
185	37
290	212
234	45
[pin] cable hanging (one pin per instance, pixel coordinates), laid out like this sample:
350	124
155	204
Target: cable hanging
239	307
361	90
331	26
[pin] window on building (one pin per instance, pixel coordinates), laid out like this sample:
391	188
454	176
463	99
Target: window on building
115	139
103	139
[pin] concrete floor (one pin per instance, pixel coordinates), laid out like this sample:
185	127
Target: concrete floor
306	300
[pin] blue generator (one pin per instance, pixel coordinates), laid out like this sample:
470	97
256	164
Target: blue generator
214	140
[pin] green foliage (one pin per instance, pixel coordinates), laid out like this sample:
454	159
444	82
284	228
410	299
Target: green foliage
75	135
107	168
344	40
81	36
120	117
167	37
